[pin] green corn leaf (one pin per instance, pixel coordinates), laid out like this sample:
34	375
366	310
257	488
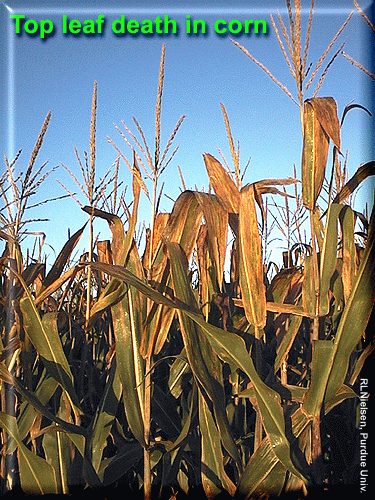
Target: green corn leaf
112	294
231	349
328	256
189	418
44	335
89	472
182	227
204	363
287	341
264	474
112	469
32	399
320	370
178	369
105	415
214	478
28	412
129	361
127	322
57	453
123	274
343	393
165	414
36	474
62	258
354	318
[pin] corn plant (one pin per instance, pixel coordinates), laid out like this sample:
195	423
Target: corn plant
164	373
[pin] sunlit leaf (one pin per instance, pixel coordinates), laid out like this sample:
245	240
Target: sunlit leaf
251	264
216	218
354	318
222	183
320	124
43	333
264	474
59	264
328	256
349	268
362	173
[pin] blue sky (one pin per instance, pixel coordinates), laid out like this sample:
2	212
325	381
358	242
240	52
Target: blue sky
200	72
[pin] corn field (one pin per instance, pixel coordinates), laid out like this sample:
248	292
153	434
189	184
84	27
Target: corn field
190	364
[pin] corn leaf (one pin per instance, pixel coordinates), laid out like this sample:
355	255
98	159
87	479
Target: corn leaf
62	259
308	287
184	222
182	227
231	349
105	415
126	316
320	370
121	245
178	369
222	183
354	318
32	399
251	264
343	393
203	361
264	474
44	335
165	414
161	220
320	124
207	271
214	477
127	321
316	218
362	173
112	469
43	393
36	474
216	218
328	256
348	271
287	341
325	109
57	453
